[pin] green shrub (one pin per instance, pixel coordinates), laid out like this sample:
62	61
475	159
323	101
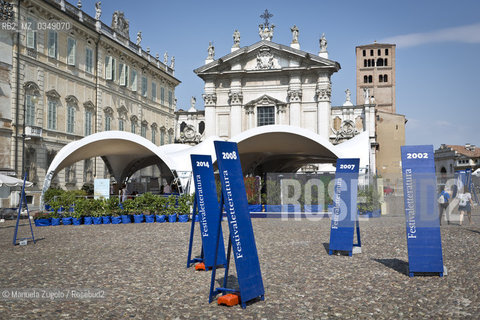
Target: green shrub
368	199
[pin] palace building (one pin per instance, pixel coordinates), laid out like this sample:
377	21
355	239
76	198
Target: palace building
61	84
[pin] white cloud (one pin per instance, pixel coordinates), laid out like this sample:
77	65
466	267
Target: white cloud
465	34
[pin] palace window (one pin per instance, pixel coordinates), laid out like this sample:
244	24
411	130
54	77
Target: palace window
30	110
123	69
71	51
379	52
371	52
154	91
385	78
52	114
162	137
144	86
380	78
380	62
170	98
88	122
364	53
365	79
88	60
265	116
162	95
108	122
52	44
386	62
154	134
143	130
386	52
364	63
109	68
31	35
70	118
133	85
121	125
370	79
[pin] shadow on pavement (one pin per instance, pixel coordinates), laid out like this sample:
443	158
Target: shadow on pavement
396	264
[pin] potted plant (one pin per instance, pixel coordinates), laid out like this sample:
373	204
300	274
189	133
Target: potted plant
102	206
148	206
136	210
42	219
96	210
160	208
184	202
85	207
112	208
55	206
172	208
369	202
128	208
78	211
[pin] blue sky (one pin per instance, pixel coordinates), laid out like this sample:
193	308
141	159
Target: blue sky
438	45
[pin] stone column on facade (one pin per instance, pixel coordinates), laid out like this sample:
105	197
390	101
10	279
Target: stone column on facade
210	100
235	99
250	111
294	99
323	94
281	111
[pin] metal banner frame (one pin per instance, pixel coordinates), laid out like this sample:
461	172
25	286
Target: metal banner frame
344	220
424	242
241	242
206	206
23	201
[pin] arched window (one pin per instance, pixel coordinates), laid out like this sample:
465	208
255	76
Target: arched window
386	52
379	62
380	78
386	62
365	79
385	78
379	52
182	126
371	52
201	127
370	79
369	62
364	53
364	63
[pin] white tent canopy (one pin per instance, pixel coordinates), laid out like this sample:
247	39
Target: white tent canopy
7	181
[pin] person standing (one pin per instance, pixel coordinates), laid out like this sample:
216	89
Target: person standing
465	205
443	202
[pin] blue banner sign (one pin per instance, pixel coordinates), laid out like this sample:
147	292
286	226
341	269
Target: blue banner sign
421	210
242	239
344	211
208	210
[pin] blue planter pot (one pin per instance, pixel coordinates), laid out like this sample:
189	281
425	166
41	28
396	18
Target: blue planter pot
273	207
55	221
87	220
138	218
116	220
313	208
106	219
255	208
160	218
77	221
172	218
43	222
126	218
183	218
97	220
149	218
67	221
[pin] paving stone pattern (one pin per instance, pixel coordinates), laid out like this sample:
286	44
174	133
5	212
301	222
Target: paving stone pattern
142	270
